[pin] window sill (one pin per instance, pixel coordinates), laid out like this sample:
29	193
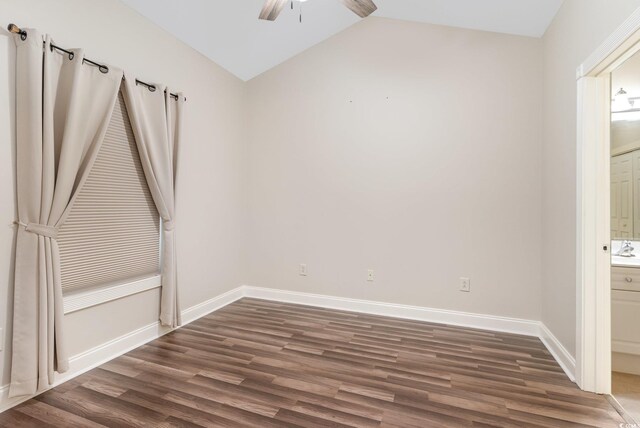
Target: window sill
75	301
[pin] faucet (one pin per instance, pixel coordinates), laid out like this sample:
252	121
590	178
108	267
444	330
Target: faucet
626	250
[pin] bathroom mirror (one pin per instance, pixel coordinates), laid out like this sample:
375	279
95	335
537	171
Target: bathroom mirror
625	193
625	151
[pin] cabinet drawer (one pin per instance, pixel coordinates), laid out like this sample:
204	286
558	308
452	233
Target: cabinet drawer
627	279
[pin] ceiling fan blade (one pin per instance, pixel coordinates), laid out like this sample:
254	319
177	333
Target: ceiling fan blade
362	8
272	9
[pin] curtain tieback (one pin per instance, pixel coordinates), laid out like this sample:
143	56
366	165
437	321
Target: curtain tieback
40	229
168	225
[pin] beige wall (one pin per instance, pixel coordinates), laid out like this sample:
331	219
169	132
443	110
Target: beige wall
578	29
406	148
411	149
211	190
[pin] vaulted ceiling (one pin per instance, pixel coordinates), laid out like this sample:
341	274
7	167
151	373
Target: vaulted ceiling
230	34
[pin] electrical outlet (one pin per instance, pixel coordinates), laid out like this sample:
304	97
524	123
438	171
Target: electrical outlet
465	285
1	339
370	275
303	269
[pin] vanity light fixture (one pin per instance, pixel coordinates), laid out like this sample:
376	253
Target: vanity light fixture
622	107
621	101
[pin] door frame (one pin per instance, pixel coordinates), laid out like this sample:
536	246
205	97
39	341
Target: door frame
593	263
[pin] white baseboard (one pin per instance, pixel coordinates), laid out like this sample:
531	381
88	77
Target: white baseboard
559	352
625	347
625	363
463	319
94	357
419	313
208	306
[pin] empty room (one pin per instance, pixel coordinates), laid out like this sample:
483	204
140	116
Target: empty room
320	213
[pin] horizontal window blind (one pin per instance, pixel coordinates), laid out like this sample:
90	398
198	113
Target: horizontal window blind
112	232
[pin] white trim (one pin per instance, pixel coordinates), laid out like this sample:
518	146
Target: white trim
201	309
614	50
75	301
593	268
99	355
559	352
94	357
593	259
442	316
625	363
118	346
625	347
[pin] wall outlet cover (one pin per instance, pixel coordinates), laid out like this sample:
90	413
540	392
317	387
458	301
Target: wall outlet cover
465	284
370	275
303	269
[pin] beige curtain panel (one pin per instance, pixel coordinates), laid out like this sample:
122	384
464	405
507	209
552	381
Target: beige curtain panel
156	121
62	111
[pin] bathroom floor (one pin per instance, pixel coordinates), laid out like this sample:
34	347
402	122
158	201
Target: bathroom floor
626	389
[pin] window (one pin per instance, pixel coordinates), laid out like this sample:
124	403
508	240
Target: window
112	233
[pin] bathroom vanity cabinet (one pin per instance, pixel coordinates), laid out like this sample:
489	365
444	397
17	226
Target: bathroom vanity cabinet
625	315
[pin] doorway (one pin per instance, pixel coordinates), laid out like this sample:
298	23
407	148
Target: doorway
625	234
594	221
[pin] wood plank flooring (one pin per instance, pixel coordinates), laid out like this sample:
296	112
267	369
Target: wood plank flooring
265	364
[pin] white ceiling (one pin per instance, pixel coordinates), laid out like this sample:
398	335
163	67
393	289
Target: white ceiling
230	33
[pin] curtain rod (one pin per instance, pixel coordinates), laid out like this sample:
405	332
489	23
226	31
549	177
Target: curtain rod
13	28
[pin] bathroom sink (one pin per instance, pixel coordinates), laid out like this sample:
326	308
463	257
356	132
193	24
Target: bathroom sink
626	258
625	261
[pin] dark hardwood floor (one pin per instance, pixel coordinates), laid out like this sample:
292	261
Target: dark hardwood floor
265	364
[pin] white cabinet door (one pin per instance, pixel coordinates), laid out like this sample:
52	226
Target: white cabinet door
625	334
622	196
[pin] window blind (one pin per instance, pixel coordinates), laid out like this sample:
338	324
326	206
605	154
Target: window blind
112	233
